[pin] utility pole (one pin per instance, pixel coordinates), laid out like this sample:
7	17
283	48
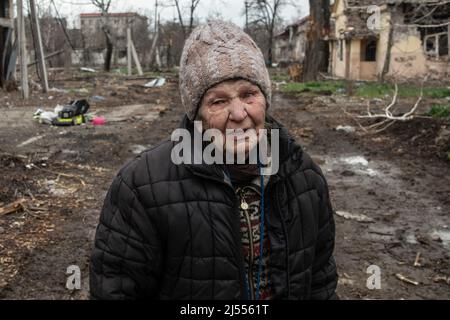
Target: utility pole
22	50
155	37
38	46
129	49
158	57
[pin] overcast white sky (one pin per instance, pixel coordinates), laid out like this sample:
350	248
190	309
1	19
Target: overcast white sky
228	9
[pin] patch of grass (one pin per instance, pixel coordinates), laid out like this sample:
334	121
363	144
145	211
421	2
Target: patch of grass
280	77
381	90
318	86
439	111
369	90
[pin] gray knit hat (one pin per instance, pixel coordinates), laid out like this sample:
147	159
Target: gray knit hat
215	52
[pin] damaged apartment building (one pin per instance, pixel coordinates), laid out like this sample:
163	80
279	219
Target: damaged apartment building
393	39
290	44
94	43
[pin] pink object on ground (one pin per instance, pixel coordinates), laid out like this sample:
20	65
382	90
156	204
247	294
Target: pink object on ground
99	121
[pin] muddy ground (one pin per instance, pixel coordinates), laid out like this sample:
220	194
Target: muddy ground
391	190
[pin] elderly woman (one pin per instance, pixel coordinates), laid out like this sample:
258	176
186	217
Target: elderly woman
193	230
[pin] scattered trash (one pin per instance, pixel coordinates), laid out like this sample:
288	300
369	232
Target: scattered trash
404	279
45	117
88	70
98	98
82	90
98	121
58	90
12	207
348	129
351	216
417	260
356	160
442	279
72	114
158	82
138	149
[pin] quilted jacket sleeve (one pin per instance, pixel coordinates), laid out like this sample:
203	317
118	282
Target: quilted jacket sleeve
324	277
125	262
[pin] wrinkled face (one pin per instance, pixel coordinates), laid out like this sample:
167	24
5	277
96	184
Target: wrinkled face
234	104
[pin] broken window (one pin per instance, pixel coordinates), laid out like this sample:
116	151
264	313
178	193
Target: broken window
122	54
436	44
435	41
369	50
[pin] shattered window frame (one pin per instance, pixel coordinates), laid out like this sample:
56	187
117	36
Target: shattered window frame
436	41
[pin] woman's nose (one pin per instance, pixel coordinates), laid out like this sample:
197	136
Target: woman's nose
238	112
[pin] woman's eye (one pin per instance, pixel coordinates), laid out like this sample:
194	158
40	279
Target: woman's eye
218	102
249	95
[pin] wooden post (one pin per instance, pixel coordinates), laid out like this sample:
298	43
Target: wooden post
40	50
136	58
23	50
129	50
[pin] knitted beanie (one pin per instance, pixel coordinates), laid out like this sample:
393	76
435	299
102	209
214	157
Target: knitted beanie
213	53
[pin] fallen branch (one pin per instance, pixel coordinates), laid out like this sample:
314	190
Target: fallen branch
404	279
13	207
388	117
417	260
60	174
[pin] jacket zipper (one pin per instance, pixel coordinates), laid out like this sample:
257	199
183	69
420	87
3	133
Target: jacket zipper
251	248
270	185
238	239
288	281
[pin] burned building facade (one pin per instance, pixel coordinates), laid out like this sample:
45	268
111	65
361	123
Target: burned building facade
398	39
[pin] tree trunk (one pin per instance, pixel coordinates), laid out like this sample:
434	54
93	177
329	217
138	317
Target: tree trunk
317	49
387	59
109	50
270	51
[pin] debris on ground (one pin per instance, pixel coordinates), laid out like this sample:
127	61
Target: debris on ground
348	129
158	82
87	70
405	279
356	217
98	121
12	207
98	98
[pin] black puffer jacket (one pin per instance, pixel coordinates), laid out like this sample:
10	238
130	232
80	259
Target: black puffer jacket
172	232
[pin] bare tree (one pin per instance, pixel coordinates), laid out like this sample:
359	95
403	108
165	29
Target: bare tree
317	51
193	4
103	6
267	14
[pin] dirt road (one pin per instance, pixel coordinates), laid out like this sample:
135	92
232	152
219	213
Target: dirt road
392	198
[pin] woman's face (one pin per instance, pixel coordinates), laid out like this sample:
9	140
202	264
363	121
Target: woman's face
234	105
